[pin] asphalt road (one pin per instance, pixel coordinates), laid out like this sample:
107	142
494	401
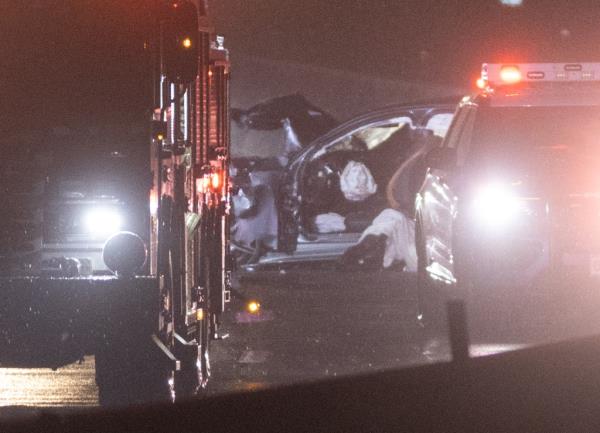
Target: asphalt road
318	324
321	324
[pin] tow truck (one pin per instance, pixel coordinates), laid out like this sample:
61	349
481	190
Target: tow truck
511	198
149	324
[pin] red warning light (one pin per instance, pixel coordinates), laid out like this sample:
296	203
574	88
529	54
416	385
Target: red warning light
510	74
215	181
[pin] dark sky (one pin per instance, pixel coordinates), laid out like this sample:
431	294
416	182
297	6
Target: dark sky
438	39
81	62
66	62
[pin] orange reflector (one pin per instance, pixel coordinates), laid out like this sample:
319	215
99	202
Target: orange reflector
253	307
200	314
510	74
187	43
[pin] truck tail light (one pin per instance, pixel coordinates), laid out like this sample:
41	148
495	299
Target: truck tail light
210	183
215	181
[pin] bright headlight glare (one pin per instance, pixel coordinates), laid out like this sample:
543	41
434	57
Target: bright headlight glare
496	204
103	221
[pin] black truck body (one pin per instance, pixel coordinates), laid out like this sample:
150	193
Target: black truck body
150	330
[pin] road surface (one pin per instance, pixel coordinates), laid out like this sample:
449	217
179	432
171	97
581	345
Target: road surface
313	325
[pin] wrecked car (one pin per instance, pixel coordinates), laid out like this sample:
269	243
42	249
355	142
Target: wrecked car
347	198
279	128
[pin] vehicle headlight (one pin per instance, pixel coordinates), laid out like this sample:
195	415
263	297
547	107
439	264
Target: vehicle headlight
103	221
496	204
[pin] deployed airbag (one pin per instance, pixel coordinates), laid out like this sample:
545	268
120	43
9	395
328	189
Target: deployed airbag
356	182
330	223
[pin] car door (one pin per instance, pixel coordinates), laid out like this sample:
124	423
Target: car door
437	201
292	194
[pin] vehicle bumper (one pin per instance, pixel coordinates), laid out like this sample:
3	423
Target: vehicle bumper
46	262
88	255
55	321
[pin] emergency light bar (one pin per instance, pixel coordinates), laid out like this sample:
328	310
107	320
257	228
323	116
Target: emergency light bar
505	74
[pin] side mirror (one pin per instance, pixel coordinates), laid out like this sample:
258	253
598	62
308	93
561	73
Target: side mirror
443	158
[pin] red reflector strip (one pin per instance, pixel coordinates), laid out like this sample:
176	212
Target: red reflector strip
536	75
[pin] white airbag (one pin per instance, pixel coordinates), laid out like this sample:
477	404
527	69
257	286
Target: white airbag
356	182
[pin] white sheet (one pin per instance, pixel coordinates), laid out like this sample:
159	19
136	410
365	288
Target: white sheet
400	232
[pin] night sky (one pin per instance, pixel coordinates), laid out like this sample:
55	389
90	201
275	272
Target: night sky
437	38
72	63
81	63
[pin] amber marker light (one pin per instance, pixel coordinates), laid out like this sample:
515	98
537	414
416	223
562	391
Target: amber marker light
253	307
187	43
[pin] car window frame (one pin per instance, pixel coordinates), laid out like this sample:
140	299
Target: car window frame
325	149
461	129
